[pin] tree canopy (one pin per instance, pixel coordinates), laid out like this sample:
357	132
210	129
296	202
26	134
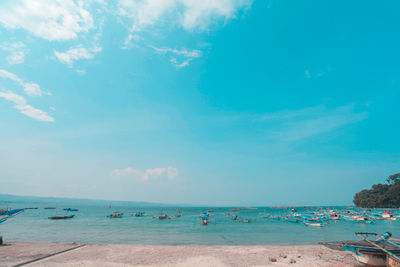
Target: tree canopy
380	195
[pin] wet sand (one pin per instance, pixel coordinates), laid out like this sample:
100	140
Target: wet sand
70	254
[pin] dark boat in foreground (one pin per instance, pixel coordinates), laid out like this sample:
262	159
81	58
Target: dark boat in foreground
382	251
61	217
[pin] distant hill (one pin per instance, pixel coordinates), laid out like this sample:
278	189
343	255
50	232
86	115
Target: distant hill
380	195
6	198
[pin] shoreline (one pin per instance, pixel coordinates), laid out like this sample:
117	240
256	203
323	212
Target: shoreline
74	254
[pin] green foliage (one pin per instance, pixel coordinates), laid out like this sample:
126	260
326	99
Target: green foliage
380	195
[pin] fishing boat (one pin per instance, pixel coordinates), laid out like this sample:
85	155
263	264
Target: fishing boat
162	216
178	214
3	219
140	214
235	209
382	251
334	217
313	223
62	217
13	212
71	209
204	218
358	219
386	215
292	219
116	215
49	208
4	211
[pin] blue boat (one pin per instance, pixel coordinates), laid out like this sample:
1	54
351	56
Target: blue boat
13	212
382	251
71	209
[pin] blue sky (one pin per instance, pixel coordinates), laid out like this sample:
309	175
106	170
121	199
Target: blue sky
199	102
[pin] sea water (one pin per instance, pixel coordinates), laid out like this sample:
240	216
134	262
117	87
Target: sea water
91	225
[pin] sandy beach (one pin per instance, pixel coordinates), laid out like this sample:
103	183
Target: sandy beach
71	254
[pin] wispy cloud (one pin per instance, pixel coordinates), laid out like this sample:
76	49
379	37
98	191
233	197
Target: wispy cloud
149	174
48	19
30	88
24	108
17	52
303	123
73	54
188	14
186	55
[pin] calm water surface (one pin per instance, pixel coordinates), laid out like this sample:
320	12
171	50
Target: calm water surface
91	225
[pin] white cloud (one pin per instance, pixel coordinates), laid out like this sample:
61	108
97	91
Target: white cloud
169	172
30	88
10	96
17	52
145	13
185	55
189	14
53	20
68	57
34	113
24	108
201	14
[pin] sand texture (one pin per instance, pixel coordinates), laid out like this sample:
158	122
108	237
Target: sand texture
141	255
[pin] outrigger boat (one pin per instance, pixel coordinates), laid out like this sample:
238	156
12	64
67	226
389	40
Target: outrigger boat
14	212
388	216
162	216
204	218
383	251
61	217
178	214
3	219
140	214
71	209
116	215
358	219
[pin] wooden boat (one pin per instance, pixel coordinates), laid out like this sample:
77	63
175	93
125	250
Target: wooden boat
388	216
49	208
204	218
140	214
14	212
314	224
334	217
71	209
292	219
116	215
4	211
235	209
62	217
3	219
358	219
379	252
178	214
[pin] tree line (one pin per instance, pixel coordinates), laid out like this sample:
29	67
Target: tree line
385	195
